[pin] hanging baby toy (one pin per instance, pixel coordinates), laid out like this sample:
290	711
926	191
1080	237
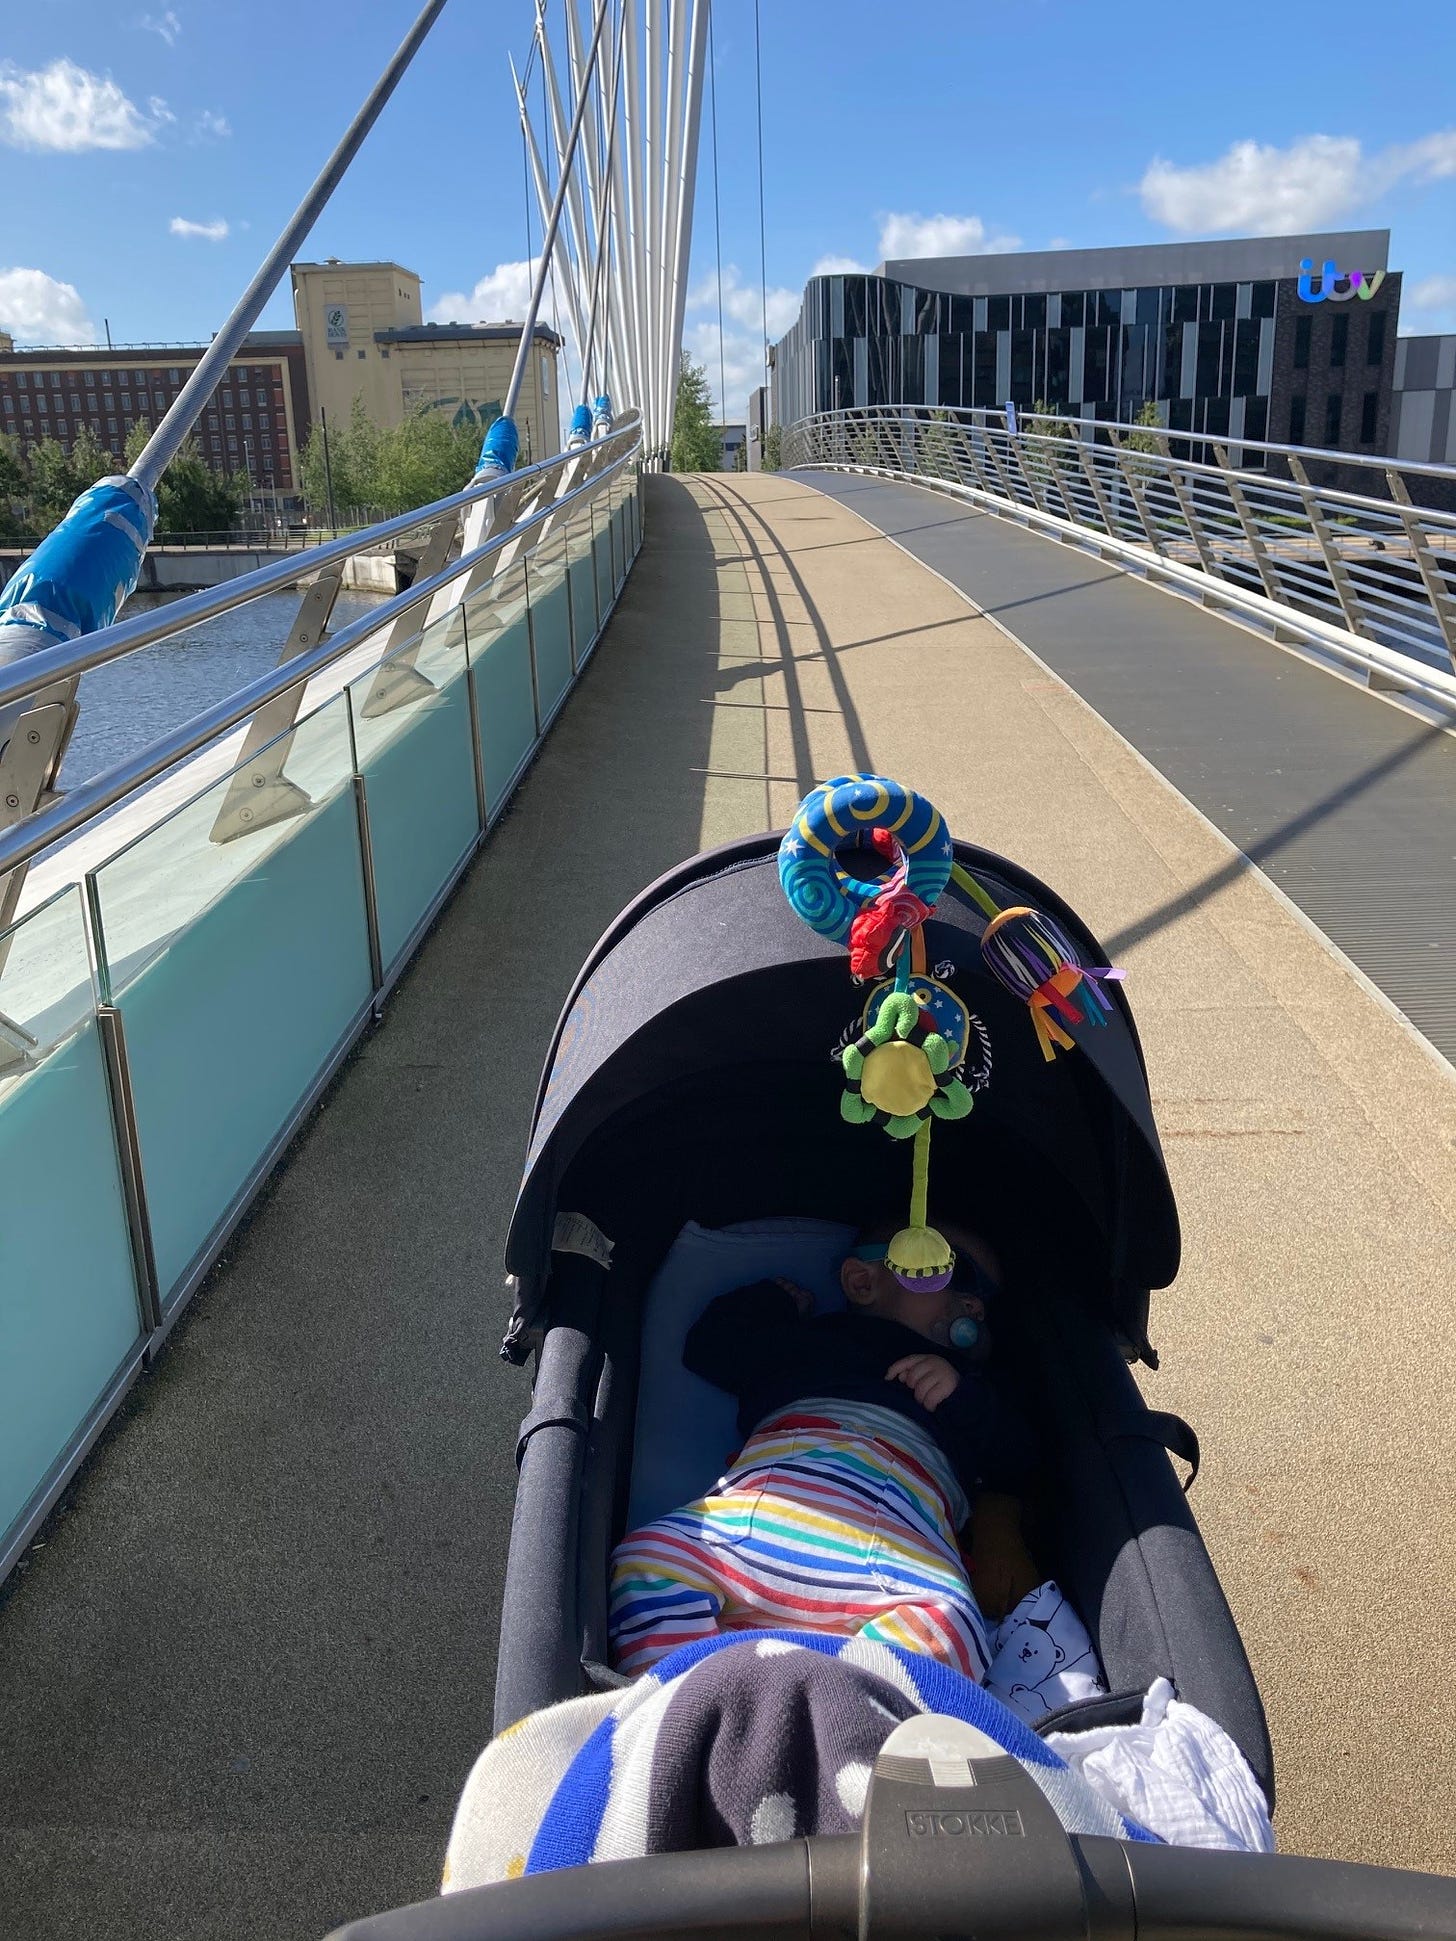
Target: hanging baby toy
1035	960
904	1068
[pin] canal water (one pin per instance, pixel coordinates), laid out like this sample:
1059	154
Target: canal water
126	706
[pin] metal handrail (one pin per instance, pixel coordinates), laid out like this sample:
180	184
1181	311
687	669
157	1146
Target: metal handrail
75	657
71	811
1369	582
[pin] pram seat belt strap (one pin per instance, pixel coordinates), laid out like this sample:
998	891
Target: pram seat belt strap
1169	1431
560	1413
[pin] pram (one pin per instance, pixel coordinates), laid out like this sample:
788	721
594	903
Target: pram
690	1079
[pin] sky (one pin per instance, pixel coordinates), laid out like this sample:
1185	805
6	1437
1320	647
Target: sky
150	155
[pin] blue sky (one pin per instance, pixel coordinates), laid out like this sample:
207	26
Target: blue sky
149	154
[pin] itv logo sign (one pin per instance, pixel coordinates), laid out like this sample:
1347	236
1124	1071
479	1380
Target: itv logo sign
1356	283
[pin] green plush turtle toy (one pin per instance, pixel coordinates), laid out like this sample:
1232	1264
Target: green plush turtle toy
901	1070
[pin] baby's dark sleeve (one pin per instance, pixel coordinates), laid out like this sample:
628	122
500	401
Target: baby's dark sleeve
730	1342
986	1436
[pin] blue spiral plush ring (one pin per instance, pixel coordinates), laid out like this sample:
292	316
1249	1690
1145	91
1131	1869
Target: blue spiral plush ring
829	817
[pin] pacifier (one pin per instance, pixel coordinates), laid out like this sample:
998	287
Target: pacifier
964	1332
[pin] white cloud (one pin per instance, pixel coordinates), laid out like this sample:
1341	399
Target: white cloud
66	108
1268	191
501	295
1433	297
839	266
167	25
210	126
208	232
915	235
744	302
39	309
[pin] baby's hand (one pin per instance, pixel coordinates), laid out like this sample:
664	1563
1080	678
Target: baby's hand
802	1298
930	1378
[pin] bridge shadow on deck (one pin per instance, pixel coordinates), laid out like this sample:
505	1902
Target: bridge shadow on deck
244	1679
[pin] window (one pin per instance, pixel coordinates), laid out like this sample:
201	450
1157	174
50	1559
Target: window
42	403
1332	412
216	442
267	461
28	427
338	356
1368	405
109	400
126	400
22	378
111	426
1296	421
247	421
1301	344
159	402
232	444
9	406
55	380
1339	340
360	355
264	421
139	378
1375	339
90	380
231	423
174	376
60	427
75	403
262	397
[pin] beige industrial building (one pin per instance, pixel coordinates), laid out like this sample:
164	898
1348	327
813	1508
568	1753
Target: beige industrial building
364	336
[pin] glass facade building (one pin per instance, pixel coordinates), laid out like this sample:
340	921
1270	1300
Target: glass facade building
1232	354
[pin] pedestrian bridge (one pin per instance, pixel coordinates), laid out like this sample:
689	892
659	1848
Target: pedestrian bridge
248	1660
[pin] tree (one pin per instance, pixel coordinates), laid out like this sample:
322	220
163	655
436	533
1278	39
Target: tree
14	489
427	457
1149	413
773	449
191	496
697	445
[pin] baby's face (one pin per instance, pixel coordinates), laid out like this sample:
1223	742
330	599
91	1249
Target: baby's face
932	1315
872	1287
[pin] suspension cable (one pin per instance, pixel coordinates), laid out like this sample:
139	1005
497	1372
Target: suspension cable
548	244
762	247
717	218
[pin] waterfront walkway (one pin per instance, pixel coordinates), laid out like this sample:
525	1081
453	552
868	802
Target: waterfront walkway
244	1679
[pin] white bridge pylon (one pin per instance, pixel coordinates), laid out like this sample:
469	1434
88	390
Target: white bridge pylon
621	254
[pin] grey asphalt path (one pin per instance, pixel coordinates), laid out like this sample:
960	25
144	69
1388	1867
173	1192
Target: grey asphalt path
1347	803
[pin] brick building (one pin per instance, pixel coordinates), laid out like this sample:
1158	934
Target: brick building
254	422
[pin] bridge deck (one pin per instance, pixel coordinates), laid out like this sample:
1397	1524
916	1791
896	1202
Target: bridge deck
244	1679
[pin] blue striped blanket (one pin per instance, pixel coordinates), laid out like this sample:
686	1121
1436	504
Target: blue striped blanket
744	1741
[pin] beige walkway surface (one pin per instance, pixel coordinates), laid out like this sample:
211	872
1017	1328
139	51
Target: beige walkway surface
243	1682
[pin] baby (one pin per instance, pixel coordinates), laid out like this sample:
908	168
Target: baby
870	1435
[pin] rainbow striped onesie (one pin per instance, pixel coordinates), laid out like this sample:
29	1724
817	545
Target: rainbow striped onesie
836	1516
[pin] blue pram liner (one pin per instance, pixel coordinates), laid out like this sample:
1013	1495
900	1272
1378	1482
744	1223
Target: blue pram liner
690	1079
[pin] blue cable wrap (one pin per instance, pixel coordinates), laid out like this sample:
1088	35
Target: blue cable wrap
602	415
581	428
75	581
498	448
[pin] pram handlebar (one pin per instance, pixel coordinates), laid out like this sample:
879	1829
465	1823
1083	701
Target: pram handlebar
764	1894
958	1840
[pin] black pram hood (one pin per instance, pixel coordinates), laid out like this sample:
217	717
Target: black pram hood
703	1025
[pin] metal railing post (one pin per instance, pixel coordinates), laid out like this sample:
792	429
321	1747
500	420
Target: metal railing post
1272	583
1438	588
1104	506
398	680
477	740
1189	510
1127	472
260	794
1338	571
111	1030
